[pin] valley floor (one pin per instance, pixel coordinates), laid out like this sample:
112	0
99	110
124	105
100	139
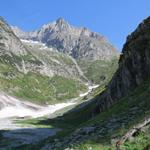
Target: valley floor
13	111
17	110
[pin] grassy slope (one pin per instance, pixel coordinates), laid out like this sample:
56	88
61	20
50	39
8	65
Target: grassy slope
99	71
129	111
37	88
115	122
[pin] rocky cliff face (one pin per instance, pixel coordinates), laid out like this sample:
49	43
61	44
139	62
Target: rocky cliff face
134	67
14	53
8	40
77	42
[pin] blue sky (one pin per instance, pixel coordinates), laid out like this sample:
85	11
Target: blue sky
114	19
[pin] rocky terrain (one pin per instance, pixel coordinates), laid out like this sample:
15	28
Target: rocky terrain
54	63
14	52
78	42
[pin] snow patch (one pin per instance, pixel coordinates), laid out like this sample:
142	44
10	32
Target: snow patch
12	107
30	41
90	88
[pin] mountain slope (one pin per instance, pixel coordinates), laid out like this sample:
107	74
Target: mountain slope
14	53
26	74
55	63
29	61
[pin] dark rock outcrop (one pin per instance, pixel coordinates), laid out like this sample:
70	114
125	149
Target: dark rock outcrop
134	67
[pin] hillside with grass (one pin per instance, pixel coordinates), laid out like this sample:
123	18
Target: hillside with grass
38	88
99	71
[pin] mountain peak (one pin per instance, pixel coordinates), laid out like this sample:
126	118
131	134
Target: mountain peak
77	42
61	20
62	24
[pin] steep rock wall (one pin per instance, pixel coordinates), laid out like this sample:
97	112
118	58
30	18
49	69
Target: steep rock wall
134	67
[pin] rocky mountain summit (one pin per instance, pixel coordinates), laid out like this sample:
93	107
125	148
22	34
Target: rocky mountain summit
77	42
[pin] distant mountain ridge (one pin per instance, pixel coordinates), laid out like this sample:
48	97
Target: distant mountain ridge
77	42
